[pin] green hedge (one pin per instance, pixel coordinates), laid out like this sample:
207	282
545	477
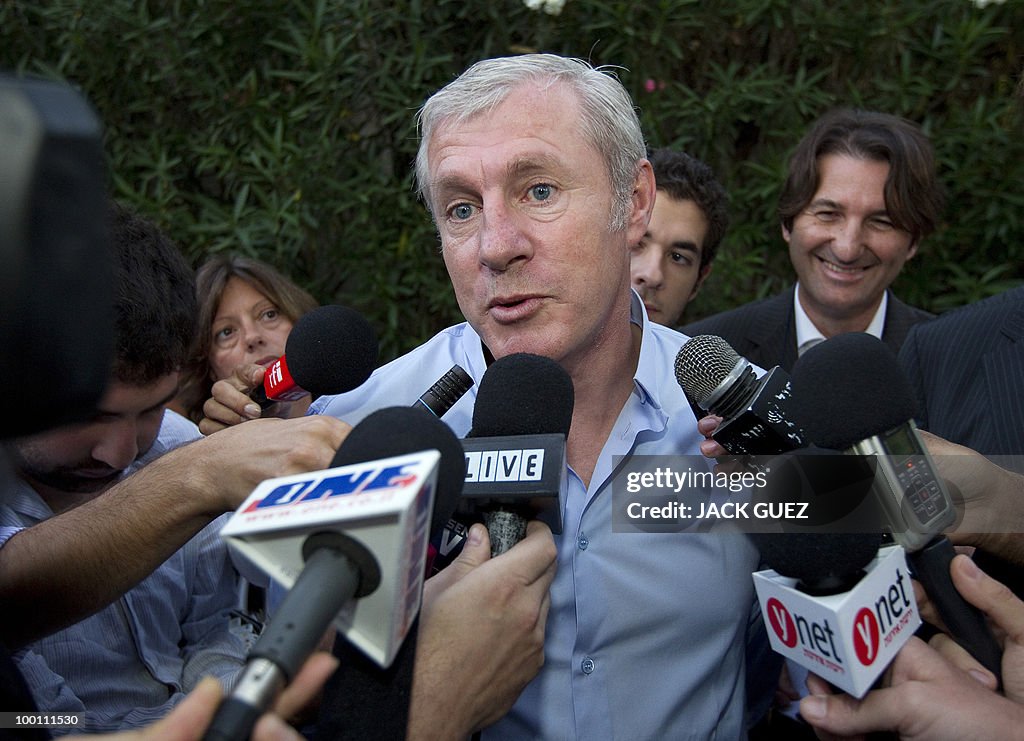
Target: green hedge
284	130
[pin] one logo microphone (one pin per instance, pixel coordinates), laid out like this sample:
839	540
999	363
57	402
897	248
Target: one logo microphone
350	542
754	411
330	350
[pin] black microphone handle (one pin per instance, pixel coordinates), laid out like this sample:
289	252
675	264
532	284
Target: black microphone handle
328	580
363	701
966	623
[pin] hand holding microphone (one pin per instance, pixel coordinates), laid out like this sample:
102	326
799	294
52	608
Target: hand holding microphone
930	694
330	350
753	412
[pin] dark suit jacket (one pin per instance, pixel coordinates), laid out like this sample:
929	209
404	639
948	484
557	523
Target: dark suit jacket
967	368
764	332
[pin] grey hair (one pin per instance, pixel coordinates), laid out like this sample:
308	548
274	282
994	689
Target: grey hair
608	119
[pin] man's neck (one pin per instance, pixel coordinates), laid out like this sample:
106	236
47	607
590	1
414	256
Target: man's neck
830	324
601	387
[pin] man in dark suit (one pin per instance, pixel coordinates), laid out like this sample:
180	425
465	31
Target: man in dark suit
967	368
860	196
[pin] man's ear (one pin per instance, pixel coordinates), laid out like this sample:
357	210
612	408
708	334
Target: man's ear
642	203
912	250
704	273
786	233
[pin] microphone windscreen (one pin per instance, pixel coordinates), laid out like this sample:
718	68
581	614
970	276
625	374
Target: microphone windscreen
331	350
818	560
702	363
523	394
849	388
394	431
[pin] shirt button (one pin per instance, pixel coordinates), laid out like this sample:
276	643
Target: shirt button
587	666
583	542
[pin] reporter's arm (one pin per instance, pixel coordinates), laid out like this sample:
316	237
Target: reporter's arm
67	567
988	495
189	721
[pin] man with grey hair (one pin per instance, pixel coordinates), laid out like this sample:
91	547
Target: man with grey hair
534	171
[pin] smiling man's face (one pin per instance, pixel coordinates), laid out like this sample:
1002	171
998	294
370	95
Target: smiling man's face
843	244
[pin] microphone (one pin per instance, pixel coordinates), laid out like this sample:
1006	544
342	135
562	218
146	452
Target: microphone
851	394
330	350
447	390
356	530
515	451
362	699
831	602
837	605
755	411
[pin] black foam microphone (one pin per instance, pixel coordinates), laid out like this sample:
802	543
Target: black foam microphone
850	393
754	411
330	350
515	451
362	700
338	567
822	563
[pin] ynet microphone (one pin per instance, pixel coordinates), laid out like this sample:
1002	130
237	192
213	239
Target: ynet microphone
515	451
836	605
831	602
851	394
330	350
350	542
754	411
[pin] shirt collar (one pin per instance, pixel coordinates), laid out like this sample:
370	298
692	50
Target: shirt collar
648	369
807	335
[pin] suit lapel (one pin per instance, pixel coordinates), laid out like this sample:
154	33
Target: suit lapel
774	333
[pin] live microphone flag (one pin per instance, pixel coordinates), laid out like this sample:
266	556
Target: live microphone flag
385	504
847	638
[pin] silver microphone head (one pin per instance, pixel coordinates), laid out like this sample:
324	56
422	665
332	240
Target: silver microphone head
706	366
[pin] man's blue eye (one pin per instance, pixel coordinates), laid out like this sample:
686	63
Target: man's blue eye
541	192
462	211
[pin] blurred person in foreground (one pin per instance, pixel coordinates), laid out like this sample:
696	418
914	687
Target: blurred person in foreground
131	662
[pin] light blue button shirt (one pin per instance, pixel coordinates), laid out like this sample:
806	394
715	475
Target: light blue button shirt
130	663
646	633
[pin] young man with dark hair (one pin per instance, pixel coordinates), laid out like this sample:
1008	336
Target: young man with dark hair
674	258
129	663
